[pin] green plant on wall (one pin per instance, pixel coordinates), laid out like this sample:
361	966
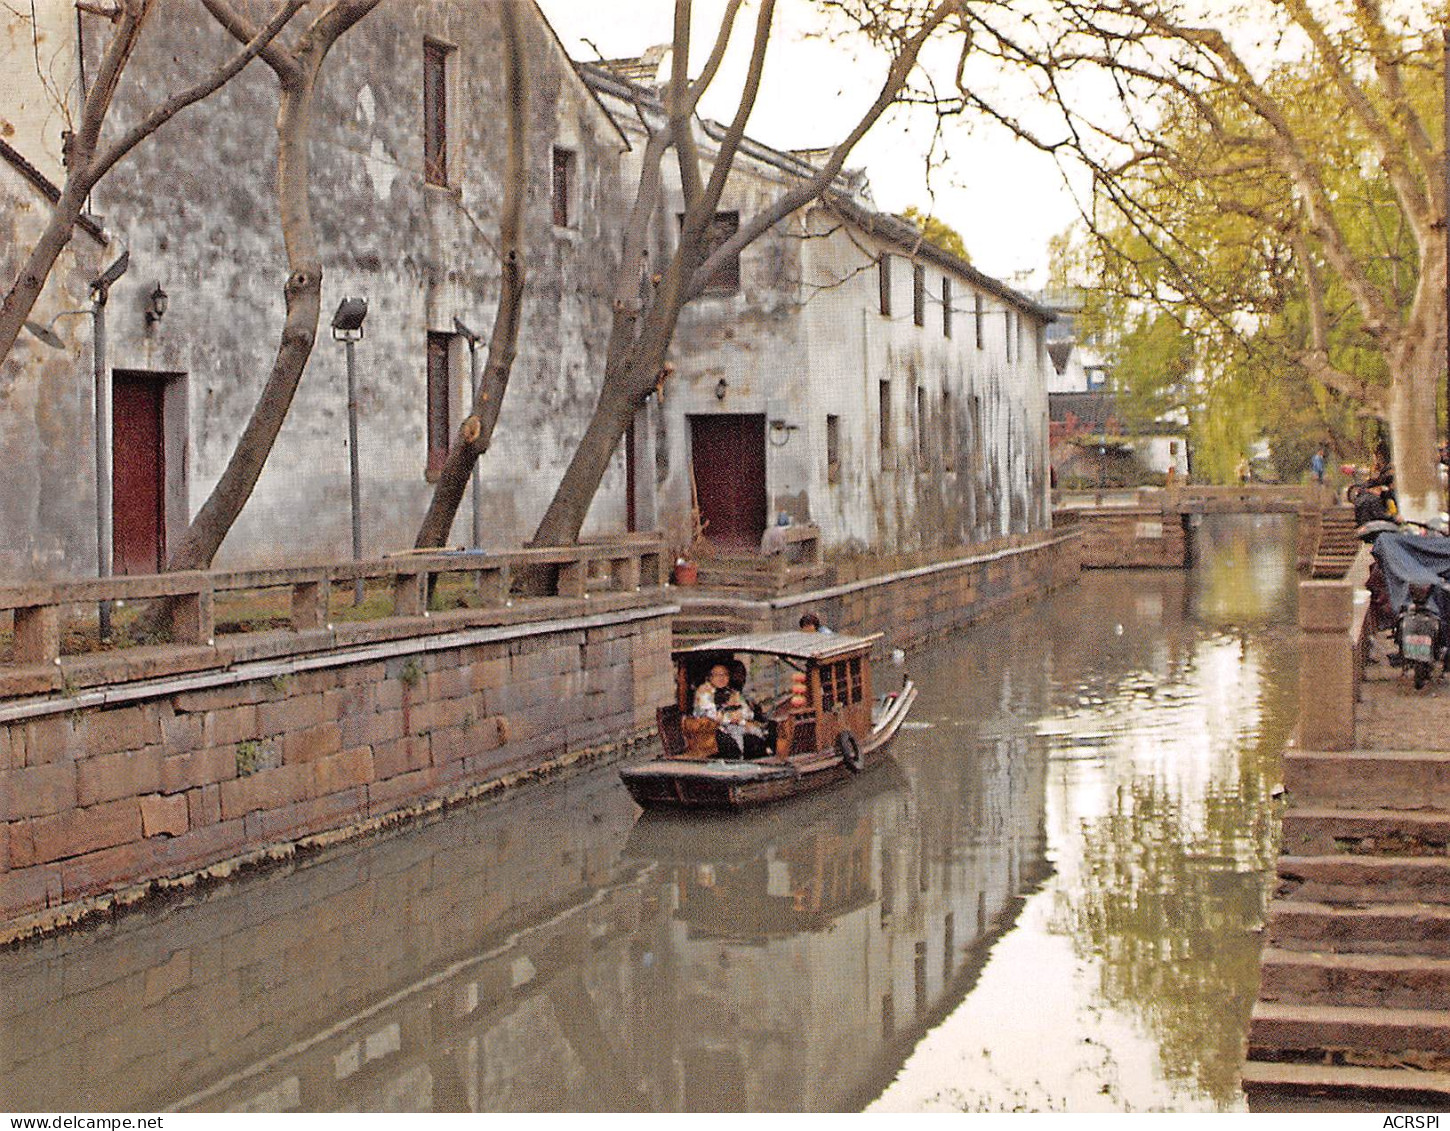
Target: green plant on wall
412	672
250	757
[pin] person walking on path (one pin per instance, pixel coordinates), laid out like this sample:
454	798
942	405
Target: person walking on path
1316	464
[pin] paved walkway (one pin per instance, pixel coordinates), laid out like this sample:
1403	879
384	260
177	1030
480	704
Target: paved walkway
1392	715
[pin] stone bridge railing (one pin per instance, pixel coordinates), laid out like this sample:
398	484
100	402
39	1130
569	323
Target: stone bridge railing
1334	617
1204	499
622	566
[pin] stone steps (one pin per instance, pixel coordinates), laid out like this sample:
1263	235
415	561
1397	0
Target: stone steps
1337	544
1384	981
1370	779
1384	928
1366	879
1324	831
1415	1037
1402	1085
1355	974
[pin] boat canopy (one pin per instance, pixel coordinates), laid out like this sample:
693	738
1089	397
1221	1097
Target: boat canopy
795	645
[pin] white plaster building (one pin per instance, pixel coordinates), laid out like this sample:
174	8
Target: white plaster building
850	374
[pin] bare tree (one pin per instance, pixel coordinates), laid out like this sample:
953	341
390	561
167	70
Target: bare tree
645	316
88	159
475	433
297	69
1358	74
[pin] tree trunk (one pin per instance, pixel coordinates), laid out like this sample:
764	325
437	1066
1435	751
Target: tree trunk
564	519
476	432
303	293
1413	436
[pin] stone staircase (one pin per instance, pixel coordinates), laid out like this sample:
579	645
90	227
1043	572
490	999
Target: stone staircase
1354	993
1337	543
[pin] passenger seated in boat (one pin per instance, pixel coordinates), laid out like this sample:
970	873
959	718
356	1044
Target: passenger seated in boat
737	733
757	719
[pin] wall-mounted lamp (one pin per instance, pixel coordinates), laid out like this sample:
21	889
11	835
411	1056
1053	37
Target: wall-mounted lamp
780	432
722	387
156	306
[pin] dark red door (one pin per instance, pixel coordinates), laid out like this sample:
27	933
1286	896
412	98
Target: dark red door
729	464
138	475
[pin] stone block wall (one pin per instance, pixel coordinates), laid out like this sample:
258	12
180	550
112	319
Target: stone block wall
99	800
1132	538
921	604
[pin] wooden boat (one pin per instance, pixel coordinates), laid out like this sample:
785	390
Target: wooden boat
827	725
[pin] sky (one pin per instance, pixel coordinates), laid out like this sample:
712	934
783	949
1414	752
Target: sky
1006	199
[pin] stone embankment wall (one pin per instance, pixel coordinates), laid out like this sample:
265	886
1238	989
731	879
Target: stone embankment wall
1132	538
907	606
97	801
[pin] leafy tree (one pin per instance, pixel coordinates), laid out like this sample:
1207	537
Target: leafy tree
1290	214
938	231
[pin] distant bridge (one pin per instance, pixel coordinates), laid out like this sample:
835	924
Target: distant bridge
1195	499
1150	526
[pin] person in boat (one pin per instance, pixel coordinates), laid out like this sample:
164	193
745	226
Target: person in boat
809	622
737	734
757	717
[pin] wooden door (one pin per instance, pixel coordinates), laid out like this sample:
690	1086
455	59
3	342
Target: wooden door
138	473
729	465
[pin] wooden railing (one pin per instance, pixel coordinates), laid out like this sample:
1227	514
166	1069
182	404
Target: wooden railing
574	572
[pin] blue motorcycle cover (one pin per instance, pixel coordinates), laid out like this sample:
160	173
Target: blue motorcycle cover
1410	558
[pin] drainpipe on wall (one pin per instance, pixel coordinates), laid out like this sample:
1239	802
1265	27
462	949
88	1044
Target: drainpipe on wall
100	292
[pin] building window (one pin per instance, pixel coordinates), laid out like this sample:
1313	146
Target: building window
883	278
833	449
918	294
923	448
946	307
562	192
726	279
439	417
884	415
435	112
978	315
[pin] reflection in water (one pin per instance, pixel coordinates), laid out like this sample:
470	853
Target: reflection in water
1048	902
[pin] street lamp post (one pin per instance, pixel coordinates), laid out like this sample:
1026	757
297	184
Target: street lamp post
347	327
100	291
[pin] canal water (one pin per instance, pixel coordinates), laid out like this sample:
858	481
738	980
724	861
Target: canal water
1050	901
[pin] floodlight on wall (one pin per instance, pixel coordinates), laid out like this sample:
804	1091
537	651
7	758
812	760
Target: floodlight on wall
156	305
722	387
473	337
347	323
